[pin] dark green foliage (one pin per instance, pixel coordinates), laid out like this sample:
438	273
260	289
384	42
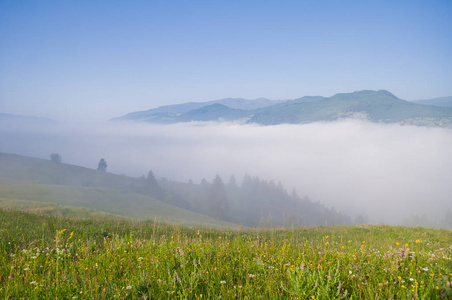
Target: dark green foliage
255	203
55	157
102	166
218	200
152	187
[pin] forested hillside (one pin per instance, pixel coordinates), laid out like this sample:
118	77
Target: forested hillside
254	202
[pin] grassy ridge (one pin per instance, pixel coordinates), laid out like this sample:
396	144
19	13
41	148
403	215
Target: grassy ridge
106	200
40	171
251	204
43	257
36	180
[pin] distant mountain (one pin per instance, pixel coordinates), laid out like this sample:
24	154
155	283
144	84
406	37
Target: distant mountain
170	113
213	112
10	118
375	106
442	101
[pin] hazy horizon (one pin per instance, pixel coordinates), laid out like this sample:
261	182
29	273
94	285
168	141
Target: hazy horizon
95	61
385	171
83	63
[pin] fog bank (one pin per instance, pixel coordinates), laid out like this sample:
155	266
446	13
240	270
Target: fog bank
384	171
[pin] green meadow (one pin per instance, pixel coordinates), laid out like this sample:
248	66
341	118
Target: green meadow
68	232
81	256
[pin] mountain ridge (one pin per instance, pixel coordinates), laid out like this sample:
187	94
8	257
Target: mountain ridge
440	101
5	117
376	106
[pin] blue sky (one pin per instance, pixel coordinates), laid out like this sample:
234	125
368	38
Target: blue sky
101	59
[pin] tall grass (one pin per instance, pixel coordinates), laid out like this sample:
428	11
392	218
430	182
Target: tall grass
44	257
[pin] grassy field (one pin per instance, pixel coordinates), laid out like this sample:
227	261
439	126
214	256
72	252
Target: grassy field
27	182
44	257
106	200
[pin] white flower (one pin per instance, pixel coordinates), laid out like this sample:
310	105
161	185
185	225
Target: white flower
129	287
223	281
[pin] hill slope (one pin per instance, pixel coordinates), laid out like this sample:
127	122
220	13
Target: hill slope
254	203
442	101
32	179
213	112
377	106
31	120
170	113
40	171
108	200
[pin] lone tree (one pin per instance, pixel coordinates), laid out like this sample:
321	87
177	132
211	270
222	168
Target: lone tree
152	187
55	157
102	166
218	199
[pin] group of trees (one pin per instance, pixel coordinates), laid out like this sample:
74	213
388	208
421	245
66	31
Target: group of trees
101	166
252	203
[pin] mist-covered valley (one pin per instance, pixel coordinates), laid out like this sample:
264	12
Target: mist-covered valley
385	173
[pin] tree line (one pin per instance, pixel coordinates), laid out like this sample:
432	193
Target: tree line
101	166
253	202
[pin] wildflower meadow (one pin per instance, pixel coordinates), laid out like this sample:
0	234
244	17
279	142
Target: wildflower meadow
49	257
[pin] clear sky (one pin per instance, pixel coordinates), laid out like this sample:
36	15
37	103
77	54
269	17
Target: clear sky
101	59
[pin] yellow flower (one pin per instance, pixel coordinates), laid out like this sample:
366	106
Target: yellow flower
70	237
418	241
